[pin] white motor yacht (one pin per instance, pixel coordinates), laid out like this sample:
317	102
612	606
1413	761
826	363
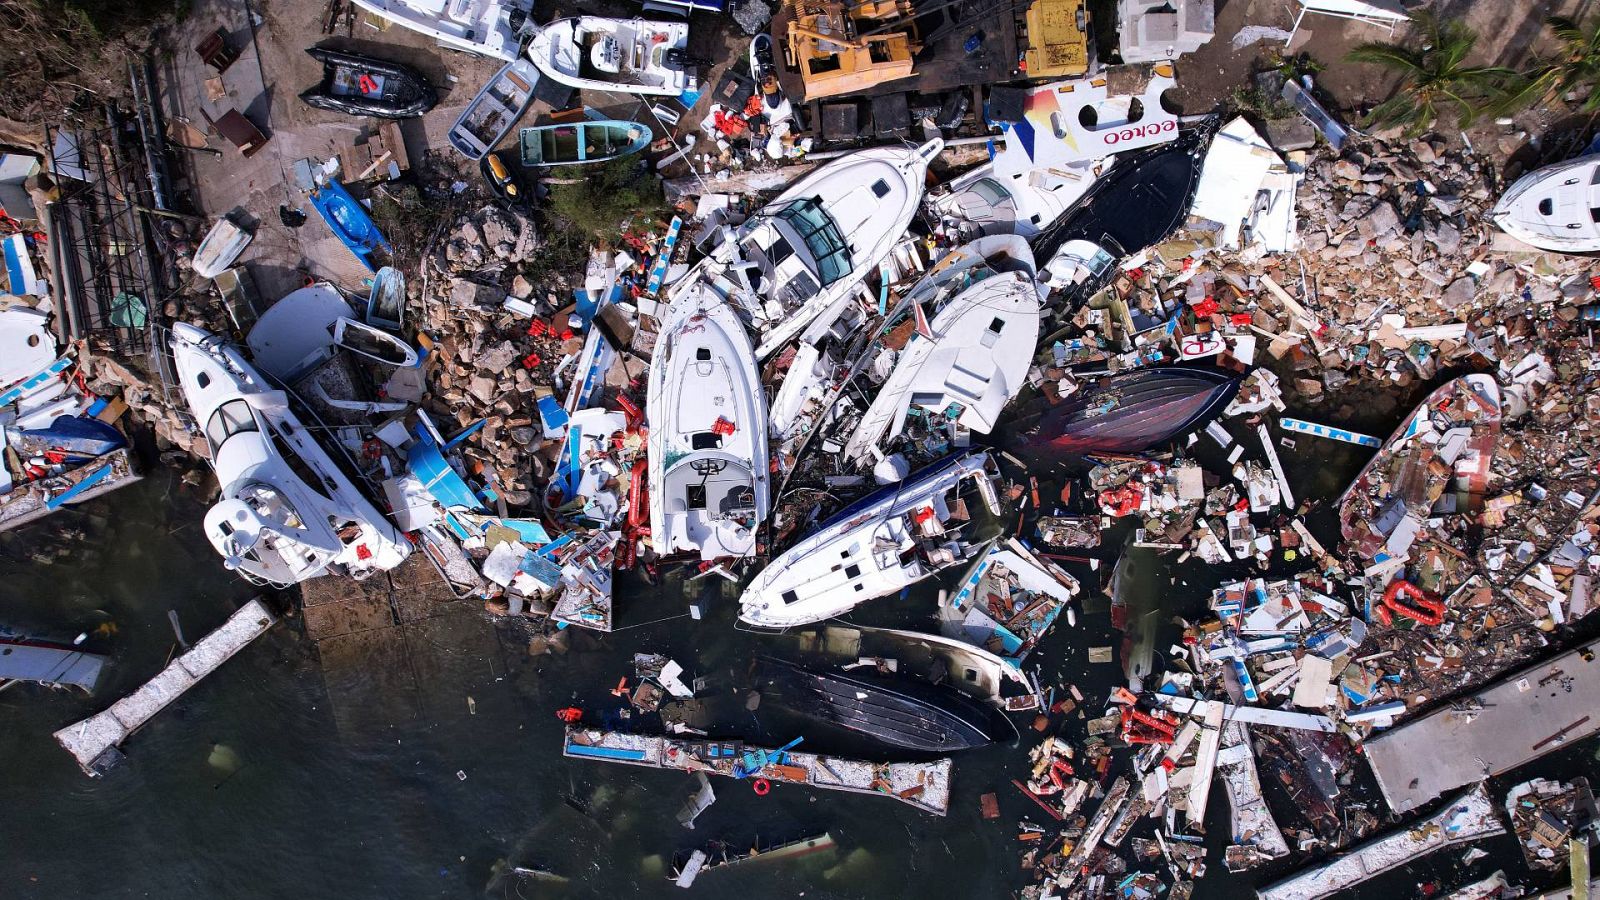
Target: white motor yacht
1554	208
888	540
974	355
709	478
287	511
1025	203
631	56
485	27
813	244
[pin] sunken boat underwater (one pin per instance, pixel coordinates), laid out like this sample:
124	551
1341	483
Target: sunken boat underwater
886	541
1127	413
364	86
898	711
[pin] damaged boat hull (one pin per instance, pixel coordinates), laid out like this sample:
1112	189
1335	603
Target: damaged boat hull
1130	413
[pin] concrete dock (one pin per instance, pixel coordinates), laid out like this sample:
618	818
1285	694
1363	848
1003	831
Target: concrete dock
1513	721
97	736
923	785
1468	818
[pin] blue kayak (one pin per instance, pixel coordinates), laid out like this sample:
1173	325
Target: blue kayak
350	222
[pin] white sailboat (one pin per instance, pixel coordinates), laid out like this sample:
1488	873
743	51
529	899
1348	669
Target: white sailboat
872	548
485	27
812	245
1554	208
632	56
975	351
287	512
709	487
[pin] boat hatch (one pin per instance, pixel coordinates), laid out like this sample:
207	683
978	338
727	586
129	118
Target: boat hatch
880	188
1547	207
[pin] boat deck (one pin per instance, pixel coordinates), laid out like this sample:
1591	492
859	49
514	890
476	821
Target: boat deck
925	785
89	739
1470	817
1516	720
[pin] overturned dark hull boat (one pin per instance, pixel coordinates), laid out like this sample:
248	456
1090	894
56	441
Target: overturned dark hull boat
364	86
900	712
1128	413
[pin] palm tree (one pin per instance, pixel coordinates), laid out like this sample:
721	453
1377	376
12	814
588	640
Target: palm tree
1575	65
1434	75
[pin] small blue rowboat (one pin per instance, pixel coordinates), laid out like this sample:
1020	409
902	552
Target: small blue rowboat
350	222
582	142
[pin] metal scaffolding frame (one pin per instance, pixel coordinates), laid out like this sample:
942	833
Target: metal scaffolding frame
107	266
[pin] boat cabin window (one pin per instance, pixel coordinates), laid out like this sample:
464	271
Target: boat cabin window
852	571
971	675
790	597
705	440
696	495
1547	207
821	236
230	419
880	188
1594	213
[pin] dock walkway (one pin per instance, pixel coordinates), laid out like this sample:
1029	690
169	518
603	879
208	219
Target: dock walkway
91	739
1511	722
925	785
1470	817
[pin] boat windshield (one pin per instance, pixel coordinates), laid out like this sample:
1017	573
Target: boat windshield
822	237
230	419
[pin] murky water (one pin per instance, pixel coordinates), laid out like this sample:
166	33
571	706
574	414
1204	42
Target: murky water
271	781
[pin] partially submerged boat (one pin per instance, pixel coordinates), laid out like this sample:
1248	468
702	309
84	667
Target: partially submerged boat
350	222
287	512
386	302
581	142
1554	208
219	248
44	661
495	110
897	710
810	246
1129	413
1445	445
631	56
709	489
365	86
485	27
884	542
971	358
933	658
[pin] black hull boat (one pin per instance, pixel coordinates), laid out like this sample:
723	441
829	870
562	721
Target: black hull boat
1128	413
897	711
364	86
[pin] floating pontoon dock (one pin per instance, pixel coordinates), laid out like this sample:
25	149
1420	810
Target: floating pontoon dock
93	741
1468	818
923	785
1509	723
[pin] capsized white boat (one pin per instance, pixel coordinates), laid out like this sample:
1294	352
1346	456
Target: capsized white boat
1026	203
486	27
975	352
631	56
813	244
1554	208
219	248
271	525
707	411
888	540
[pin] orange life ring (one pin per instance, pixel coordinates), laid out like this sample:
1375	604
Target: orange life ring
761	786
